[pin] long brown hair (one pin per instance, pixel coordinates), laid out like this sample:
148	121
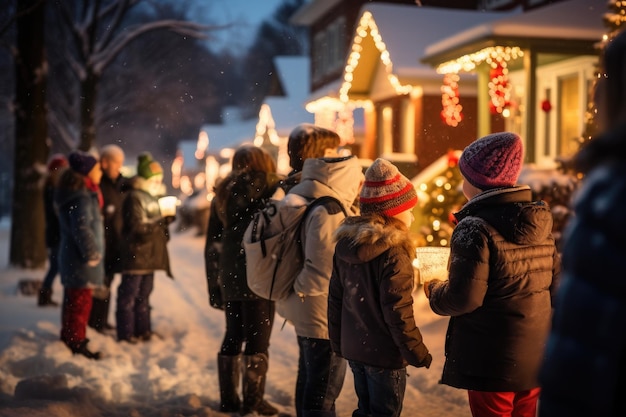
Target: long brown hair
252	158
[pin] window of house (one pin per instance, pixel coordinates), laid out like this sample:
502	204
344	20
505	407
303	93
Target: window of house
329	49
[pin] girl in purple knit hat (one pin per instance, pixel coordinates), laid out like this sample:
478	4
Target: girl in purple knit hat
502	273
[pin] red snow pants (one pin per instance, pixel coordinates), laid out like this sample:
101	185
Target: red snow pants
75	314
504	404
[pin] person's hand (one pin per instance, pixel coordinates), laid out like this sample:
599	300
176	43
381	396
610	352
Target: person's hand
94	261
427	289
169	220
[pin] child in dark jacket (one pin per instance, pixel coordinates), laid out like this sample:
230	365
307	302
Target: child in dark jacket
370	303
81	253
503	270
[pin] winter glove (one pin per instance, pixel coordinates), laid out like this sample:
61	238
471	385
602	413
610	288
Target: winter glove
169	220
215	297
426	361
94	261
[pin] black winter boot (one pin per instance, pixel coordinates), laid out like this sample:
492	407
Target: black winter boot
254	374
80	348
98	318
45	298
228	371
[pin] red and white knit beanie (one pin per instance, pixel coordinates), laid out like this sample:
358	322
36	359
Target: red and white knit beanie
386	191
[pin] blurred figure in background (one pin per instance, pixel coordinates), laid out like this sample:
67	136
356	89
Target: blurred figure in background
584	369
81	253
112	187
56	166
144	250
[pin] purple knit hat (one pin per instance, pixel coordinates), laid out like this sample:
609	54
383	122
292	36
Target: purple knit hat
493	161
386	191
82	162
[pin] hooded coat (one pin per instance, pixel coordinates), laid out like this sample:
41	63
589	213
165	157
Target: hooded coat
145	232
82	233
370	302
307	307
584	371
503	271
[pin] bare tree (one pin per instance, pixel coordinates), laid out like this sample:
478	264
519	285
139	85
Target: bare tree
31	131
99	33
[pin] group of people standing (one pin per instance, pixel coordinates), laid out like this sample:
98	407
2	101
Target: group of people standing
352	303
98	224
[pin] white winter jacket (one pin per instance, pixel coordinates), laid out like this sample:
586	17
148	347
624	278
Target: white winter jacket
341	178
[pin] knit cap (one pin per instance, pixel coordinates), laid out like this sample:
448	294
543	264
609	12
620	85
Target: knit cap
386	191
309	141
57	161
493	161
147	167
82	162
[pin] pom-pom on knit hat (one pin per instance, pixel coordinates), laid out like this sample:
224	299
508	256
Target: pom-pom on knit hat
493	161
309	141
82	162
148	167
386	191
58	160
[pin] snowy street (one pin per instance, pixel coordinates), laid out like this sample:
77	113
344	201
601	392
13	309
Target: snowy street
175	375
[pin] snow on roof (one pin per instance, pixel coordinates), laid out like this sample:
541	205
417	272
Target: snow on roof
408	30
288	111
233	132
570	19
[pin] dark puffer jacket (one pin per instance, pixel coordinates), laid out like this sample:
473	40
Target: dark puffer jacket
238	197
82	233
370	302
503	271
113	193
584	371
145	233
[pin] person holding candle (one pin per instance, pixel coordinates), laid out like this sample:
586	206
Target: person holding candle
145	236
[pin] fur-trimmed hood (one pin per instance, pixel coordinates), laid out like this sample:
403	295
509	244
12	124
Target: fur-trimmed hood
363	238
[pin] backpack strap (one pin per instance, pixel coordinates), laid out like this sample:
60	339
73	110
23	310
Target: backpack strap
327	201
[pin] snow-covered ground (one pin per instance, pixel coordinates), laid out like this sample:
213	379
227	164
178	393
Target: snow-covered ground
175	376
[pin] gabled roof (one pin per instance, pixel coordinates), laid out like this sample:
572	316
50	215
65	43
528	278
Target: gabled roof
397	36
570	26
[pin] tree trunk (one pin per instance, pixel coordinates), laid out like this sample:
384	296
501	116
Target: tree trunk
31	150
89	94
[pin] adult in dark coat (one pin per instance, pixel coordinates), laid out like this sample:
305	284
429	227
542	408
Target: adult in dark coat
144	251
503	271
81	251
249	319
56	166
113	186
584	370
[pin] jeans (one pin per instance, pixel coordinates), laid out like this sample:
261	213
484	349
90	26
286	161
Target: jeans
53	266
133	305
74	315
320	378
380	391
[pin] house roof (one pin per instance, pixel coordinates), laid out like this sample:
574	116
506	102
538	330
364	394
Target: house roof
570	26
311	12
404	34
288	111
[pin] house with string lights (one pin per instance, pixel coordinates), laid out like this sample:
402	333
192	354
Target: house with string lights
535	69
385	102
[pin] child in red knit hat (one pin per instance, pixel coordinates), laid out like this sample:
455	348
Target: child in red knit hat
503	270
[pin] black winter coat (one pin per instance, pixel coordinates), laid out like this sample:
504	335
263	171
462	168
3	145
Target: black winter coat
238	197
503	271
52	228
584	371
145	233
370	302
113	196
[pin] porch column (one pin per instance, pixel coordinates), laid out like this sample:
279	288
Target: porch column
530	104
482	101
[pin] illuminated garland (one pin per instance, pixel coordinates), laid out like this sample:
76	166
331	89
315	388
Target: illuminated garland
451	113
499	87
